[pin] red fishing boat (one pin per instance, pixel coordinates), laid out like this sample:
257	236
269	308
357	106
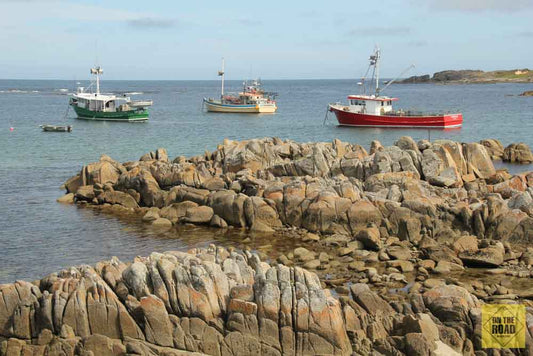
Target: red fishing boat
377	111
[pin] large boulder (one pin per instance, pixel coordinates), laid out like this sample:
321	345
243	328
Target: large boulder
518	152
494	148
451	304
106	170
117	197
486	257
478	160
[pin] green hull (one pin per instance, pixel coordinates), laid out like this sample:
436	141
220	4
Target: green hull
132	115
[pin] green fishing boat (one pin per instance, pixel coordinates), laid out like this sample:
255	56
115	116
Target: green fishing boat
107	107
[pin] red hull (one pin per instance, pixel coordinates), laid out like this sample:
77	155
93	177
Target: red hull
430	121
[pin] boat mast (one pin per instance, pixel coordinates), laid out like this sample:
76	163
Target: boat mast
97	71
221	73
375	60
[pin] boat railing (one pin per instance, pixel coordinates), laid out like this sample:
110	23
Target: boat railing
412	112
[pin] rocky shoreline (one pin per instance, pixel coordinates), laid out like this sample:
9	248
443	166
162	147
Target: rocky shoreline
400	247
472	77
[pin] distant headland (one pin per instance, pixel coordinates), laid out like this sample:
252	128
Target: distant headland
473	76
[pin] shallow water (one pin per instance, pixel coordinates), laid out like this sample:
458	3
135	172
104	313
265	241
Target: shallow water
39	236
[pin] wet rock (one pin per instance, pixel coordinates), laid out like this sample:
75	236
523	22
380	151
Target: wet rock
151	215
119	198
66	199
199	215
217	221
162	222
176	211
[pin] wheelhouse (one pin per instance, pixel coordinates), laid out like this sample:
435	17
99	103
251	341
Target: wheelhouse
371	105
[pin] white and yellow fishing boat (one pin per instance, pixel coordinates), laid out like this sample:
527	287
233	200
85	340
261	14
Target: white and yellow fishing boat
252	99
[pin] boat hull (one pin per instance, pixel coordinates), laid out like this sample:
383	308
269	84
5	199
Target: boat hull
235	108
131	115
54	128
347	118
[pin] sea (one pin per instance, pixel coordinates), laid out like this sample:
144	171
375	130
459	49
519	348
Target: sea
39	236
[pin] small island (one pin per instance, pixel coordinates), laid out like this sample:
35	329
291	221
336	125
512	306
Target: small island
473	77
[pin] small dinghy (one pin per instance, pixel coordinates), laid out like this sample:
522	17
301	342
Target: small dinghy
55	128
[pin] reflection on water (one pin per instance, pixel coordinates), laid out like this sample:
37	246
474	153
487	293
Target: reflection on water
125	236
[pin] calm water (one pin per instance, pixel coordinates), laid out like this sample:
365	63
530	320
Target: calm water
39	236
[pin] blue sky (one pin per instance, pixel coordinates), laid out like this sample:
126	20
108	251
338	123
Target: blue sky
61	39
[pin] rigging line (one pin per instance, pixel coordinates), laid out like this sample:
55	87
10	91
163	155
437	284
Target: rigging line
66	112
326	117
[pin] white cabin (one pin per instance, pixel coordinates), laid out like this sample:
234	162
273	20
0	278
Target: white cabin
98	102
370	104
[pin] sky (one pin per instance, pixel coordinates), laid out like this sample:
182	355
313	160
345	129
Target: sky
184	40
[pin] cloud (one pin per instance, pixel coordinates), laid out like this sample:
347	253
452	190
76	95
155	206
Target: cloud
478	5
150	23
380	31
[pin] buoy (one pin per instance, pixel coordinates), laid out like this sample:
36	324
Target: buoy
11	128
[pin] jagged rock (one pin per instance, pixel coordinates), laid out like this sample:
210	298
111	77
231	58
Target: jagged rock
180	301
323	187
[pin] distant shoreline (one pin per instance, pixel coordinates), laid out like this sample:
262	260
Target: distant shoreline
473	77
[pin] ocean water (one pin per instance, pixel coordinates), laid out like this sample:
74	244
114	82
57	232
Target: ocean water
39	235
